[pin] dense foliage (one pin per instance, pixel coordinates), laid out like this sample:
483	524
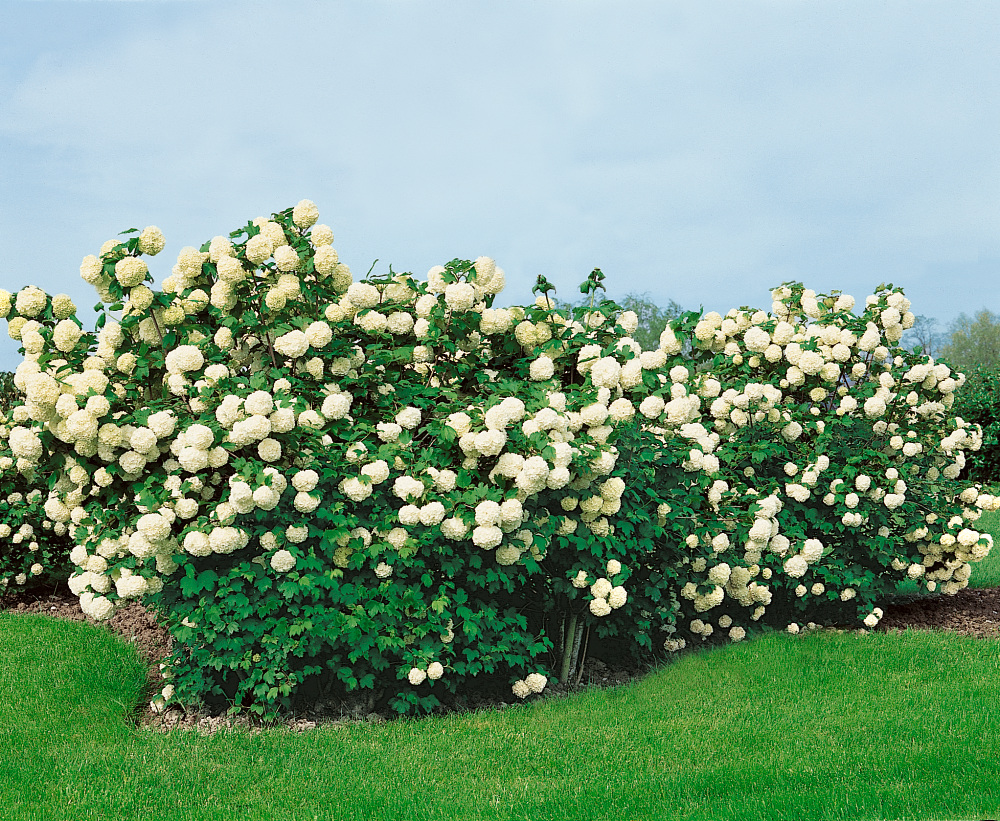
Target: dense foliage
391	486
9	395
33	549
978	402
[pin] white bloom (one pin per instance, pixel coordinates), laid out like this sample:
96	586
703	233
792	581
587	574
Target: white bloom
282	561
601	588
600	607
460	296
378	471
305	214
363	295
292	344
407	488
355	489
541	369
812	550
454	528
388	431
432	514
621	410
408	418
796	566
184	358
336	405
487	537
606	372
536	682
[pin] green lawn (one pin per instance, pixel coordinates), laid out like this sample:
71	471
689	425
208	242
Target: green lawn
824	726
821	726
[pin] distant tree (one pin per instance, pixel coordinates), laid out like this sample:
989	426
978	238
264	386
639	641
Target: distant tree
653	318
926	335
974	341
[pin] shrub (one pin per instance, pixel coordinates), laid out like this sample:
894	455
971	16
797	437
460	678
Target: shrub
34	550
978	402
393	487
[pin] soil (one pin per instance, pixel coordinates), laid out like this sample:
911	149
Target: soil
971	612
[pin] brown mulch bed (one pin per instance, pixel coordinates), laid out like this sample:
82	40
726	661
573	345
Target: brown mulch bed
971	612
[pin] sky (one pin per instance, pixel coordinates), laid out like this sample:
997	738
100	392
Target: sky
701	152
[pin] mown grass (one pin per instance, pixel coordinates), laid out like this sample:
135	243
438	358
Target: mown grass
821	726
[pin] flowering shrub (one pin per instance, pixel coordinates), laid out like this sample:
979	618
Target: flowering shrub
394	486
33	548
979	403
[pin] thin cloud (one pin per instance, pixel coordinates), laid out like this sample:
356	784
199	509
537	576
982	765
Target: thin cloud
701	153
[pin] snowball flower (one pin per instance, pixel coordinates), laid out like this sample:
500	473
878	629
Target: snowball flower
292	344
336	405
432	514
454	528
282	561
226	539
487	537
355	489
459	296
66	334
130	271
606	372
408	418
651	407
269	449
406	487
756	339
796	566
536	682
812	550
875	407
541	369
621	410
362	295
601	588
305	214
791	431
600	607
416	676
378	471
197	544
184	358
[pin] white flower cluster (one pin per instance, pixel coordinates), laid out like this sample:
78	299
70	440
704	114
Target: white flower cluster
532	684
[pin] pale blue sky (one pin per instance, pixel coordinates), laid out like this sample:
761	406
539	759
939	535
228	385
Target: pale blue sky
701	151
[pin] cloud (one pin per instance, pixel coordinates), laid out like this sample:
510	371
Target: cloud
702	153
